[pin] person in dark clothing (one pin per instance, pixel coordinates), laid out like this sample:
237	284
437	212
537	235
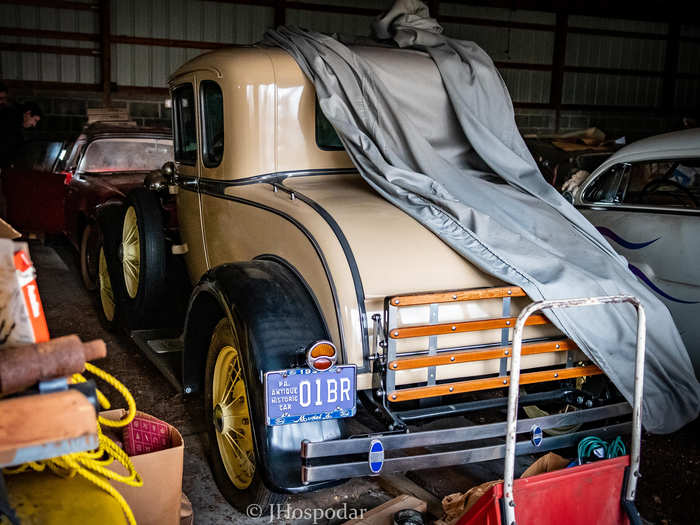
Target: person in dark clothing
13	120
4	96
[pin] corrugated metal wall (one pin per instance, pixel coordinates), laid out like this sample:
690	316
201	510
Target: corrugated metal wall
48	67
510	45
616	52
688	90
636	52
138	65
335	23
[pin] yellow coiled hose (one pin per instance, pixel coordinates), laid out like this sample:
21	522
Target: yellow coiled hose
91	464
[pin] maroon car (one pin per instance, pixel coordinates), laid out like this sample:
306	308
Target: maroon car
57	187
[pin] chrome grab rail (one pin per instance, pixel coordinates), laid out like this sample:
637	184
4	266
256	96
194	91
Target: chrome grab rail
513	391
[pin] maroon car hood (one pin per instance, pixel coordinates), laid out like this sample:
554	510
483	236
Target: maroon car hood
115	183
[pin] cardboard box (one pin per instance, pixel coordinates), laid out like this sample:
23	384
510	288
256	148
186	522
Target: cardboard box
158	501
547	463
458	504
7	231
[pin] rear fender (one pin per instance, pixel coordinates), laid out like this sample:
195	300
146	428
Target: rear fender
278	318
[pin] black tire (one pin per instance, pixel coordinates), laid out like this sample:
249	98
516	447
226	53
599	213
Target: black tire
89	254
144	282
233	489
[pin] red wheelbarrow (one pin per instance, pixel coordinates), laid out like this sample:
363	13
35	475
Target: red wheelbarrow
600	493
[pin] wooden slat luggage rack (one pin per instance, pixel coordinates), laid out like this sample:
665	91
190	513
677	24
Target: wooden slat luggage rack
441	357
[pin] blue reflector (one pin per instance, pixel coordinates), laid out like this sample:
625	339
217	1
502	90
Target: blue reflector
536	435
376	456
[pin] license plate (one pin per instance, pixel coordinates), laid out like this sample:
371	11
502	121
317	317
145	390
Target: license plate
299	395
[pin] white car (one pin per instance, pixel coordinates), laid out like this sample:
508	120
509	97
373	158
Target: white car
646	200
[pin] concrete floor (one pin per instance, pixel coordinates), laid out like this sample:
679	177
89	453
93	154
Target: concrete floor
664	496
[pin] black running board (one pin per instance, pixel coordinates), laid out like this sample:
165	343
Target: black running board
163	348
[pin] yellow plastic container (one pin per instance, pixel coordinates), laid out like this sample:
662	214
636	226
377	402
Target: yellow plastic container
42	498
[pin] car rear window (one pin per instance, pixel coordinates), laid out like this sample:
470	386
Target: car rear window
326	137
127	154
185	125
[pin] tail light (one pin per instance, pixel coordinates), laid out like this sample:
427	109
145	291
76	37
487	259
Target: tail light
68	177
321	355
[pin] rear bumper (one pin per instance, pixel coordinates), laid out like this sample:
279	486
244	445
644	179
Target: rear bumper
343	458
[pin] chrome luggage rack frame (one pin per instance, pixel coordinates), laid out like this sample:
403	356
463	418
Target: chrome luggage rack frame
388	362
332	460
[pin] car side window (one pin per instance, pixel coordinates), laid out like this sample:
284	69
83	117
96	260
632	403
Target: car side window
62	157
70	162
609	187
326	137
212	102
51	155
185	125
667	183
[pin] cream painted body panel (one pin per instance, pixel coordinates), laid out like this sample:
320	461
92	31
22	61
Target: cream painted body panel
244	231
397	255
188	205
296	118
269	115
190	227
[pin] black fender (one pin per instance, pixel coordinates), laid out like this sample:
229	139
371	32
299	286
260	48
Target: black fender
278	317
107	213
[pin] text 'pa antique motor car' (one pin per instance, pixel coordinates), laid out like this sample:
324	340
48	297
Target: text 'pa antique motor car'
313	298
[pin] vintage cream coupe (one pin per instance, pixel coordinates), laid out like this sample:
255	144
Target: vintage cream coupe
313	298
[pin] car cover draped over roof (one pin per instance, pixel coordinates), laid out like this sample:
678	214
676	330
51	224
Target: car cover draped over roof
481	192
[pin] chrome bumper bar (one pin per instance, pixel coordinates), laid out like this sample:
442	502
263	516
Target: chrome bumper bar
328	460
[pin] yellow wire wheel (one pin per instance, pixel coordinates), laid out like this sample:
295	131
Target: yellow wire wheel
106	291
131	252
230	412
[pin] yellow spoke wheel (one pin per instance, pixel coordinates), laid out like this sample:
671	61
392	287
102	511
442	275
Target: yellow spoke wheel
106	292
230	414
130	251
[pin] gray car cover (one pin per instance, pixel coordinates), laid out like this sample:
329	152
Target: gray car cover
437	138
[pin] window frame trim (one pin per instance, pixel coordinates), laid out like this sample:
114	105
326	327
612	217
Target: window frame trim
204	146
628	164
176	123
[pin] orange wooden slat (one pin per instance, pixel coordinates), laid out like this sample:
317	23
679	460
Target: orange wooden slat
469	356
464	326
459	295
474	385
